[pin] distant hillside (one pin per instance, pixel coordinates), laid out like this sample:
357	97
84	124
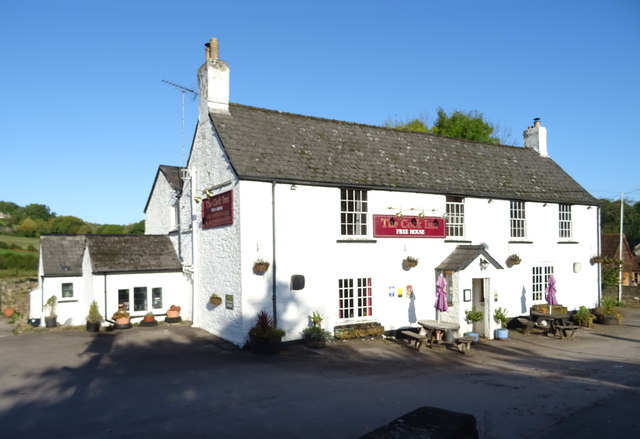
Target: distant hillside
36	219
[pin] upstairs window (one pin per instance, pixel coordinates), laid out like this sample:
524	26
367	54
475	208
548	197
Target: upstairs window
455	216
564	221
518	219
353	212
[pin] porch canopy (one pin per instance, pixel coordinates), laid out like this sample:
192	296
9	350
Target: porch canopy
463	255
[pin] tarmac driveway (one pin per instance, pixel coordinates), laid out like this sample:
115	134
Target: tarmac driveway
177	381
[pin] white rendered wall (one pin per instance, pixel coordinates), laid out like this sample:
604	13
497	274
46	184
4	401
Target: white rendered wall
160	213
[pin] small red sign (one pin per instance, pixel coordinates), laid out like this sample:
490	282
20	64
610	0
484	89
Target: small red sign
390	226
217	210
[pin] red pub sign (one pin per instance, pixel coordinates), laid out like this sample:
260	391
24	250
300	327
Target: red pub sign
217	210
390	226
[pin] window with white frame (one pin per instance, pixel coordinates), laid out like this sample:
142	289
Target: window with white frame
67	291
156	298
564	221
540	279
353	212
518	219
455	216
123	298
354	298
140	298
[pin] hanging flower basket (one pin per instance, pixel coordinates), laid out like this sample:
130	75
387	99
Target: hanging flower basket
513	260
260	267
215	300
409	262
596	260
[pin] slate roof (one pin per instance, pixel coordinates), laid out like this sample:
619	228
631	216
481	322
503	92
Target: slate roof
463	255
132	253
268	145
62	254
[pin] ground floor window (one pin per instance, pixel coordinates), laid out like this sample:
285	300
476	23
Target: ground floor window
354	298
140	299
67	290
540	279
123	298
156	298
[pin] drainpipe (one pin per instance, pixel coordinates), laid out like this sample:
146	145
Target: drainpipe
599	253
273	250
105	297
194	241
178	200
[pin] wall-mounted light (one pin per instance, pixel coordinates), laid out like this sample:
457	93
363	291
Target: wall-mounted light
293	187
197	199
399	214
483	264
490	200
208	193
445	215
421	214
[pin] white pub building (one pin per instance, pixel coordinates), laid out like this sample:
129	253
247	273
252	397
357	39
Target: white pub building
339	210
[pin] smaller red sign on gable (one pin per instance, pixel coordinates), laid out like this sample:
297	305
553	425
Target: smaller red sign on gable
390	226
217	210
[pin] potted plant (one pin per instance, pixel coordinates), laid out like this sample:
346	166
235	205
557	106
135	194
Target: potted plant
607	312
583	317
9	311
51	320
173	312
265	337
260	266
500	317
315	336
472	316
122	317
149	319
94	318
215	299
513	259
409	262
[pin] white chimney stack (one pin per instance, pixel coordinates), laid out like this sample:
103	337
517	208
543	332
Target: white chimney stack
213	82
536	137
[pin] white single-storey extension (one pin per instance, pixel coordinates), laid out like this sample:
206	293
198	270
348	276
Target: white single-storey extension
140	271
336	208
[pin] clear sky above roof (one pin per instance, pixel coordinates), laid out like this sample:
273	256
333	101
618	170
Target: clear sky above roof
86	119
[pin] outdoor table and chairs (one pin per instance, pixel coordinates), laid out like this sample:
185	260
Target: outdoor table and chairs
556	324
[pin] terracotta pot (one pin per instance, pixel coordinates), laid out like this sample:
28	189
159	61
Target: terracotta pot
123	320
148	318
8	312
172	314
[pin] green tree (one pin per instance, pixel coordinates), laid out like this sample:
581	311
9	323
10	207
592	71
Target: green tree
28	227
69	225
136	228
111	229
610	219
38	211
464	125
468	125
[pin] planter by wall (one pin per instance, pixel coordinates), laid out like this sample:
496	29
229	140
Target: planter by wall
501	334
93	326
51	322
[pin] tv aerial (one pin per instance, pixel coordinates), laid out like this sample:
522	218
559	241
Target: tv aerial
183	90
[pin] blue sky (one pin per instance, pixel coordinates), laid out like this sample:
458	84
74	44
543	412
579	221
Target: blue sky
85	119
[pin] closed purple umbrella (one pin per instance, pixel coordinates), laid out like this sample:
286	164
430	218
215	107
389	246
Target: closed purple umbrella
550	295
441	295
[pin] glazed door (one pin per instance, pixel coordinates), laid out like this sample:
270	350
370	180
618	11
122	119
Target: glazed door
478	295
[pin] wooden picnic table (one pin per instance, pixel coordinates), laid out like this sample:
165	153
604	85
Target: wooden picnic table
557	324
433	327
